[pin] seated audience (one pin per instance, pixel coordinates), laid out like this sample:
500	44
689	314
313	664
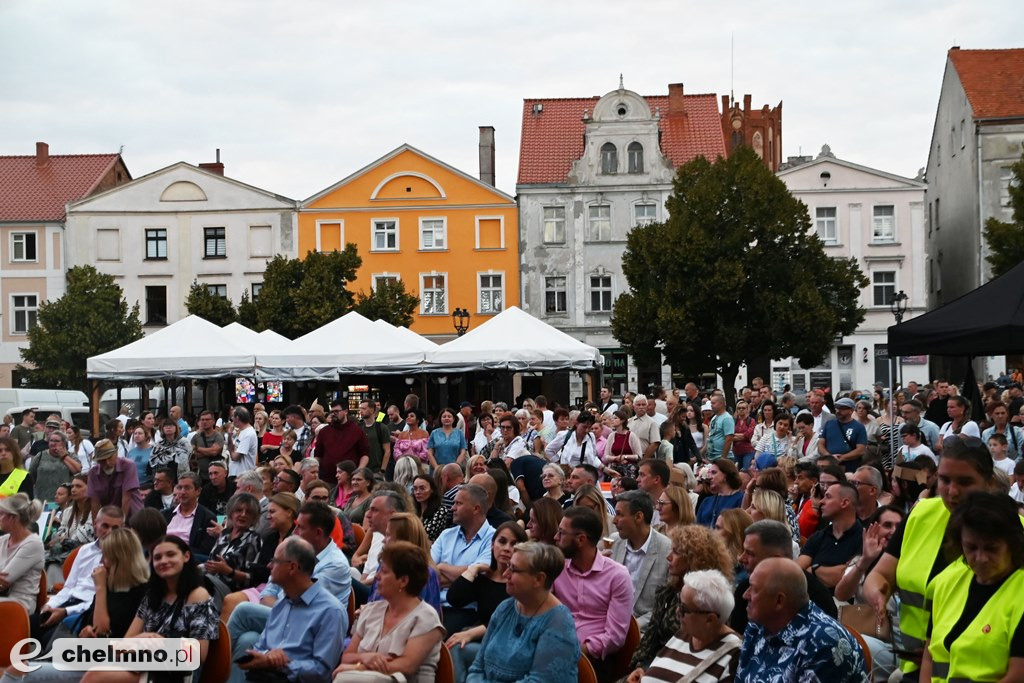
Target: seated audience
161	497
674	508
463	545
827	553
362	492
435	517
531	636
21	551
543	519
216	493
190	521
590	496
236	551
642	550
495	515
726	492
405	526
74	529
730	527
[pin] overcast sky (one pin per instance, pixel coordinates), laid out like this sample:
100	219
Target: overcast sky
299	94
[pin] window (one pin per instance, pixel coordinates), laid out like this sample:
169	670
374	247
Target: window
432	233
24	308
156	305
635	157
609	159
257	287
884	223
489	232
492	293
218	290
330	236
825	223
599	224
108	244
963	134
215	246
260	241
23	246
434	295
156	245
884	286
1006	181
645	214
554	295
601	293
554	225
381	278
385	235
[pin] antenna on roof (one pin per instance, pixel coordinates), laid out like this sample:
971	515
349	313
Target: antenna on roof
732	66
620	82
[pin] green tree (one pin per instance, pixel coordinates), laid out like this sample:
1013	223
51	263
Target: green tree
1006	240
91	318
306	293
389	302
204	303
734	273
248	312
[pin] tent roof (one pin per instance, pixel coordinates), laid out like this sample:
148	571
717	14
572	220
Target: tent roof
514	340
414	339
988	321
192	348
351	344
241	334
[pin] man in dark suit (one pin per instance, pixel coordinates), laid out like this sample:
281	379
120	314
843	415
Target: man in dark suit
189	521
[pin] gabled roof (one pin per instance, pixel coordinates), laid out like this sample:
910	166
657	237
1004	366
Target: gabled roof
391	155
820	160
553	139
993	81
30	192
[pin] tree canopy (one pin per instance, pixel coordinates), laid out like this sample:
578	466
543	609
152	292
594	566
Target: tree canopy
1006	240
204	303
91	318
735	273
389	302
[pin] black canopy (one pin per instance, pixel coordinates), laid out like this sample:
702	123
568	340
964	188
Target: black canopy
988	321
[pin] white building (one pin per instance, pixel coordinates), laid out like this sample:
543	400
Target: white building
877	218
160	232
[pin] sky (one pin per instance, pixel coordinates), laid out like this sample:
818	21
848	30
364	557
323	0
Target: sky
297	95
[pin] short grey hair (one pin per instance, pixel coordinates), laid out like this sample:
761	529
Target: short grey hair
543	557
249	482
308	463
245	500
712	592
873	475
773	536
242	414
501	405
394	500
555	470
59	433
477	493
523	412
301	552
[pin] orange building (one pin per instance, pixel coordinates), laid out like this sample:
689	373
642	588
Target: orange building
450	238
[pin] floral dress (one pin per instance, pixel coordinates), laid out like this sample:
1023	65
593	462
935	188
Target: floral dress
198	620
239	553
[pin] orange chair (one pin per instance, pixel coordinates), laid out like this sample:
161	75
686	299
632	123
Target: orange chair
15	620
357	529
217	666
864	648
41	596
68	561
586	671
445	667
351	609
622	658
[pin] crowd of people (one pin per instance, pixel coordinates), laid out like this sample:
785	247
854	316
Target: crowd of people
668	537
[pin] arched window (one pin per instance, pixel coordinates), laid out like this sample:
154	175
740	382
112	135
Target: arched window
609	159
635	156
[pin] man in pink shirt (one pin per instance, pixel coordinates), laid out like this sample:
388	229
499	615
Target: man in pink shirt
596	589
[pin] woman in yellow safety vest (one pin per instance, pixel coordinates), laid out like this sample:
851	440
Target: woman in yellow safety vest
976	631
14	478
914	557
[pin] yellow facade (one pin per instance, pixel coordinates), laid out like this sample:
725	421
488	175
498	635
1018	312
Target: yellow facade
451	239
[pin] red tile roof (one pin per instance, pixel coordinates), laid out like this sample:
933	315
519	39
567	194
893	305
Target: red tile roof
993	81
29	192
553	139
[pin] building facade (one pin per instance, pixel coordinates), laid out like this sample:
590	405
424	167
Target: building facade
33	251
449	237
591	169
978	135
183	223
877	218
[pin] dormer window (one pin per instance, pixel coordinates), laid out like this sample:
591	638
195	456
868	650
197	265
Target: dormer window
621	110
635	157
609	159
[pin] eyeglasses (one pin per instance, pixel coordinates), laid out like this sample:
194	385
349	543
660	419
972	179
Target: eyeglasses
683	610
662	503
514	570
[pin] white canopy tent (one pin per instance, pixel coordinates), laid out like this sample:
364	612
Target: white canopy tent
413	339
516	341
191	348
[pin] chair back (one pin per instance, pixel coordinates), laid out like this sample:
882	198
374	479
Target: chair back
586	671
16	627
622	658
41	596
445	667
70	560
217	667
864	647
351	609
357	529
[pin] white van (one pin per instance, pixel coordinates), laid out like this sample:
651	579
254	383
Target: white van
12	398
158	399
79	416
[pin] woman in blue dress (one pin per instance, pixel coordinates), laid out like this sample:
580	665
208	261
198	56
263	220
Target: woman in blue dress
447	444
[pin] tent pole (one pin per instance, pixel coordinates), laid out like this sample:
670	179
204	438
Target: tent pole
894	435
94	408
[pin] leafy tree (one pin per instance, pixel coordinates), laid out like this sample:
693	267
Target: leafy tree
91	318
733	274
204	303
388	302
1006	240
248	312
306	293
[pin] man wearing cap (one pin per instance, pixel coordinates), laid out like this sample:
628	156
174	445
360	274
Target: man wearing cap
466	421
51	425
113	480
844	437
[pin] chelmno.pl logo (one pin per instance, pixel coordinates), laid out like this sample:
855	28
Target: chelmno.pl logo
110	654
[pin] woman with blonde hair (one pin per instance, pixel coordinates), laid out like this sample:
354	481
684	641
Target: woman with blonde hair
590	496
675	508
731	526
407	468
21	551
477	465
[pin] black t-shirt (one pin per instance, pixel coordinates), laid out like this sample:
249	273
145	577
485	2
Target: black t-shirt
896	545
212	499
977	597
816	590
485	593
122	606
937	411
828	551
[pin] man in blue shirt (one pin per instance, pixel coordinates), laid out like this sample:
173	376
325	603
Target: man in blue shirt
332	573
788	637
466	543
303	635
721	431
844	437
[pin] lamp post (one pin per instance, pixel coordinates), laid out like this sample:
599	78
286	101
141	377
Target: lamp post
460	318
898	306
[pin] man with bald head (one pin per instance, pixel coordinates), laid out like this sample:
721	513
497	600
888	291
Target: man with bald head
829	550
451	479
789	638
495	517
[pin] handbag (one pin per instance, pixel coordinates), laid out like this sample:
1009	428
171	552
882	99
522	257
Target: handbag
864	620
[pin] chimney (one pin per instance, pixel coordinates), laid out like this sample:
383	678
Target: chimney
676	104
746	104
487	155
42	154
215	167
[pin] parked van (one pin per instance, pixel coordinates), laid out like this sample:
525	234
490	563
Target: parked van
12	398
79	416
159	400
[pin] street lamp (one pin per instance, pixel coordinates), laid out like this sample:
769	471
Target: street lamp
898	306
460	318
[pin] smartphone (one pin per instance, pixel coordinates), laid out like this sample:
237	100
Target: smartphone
245	658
